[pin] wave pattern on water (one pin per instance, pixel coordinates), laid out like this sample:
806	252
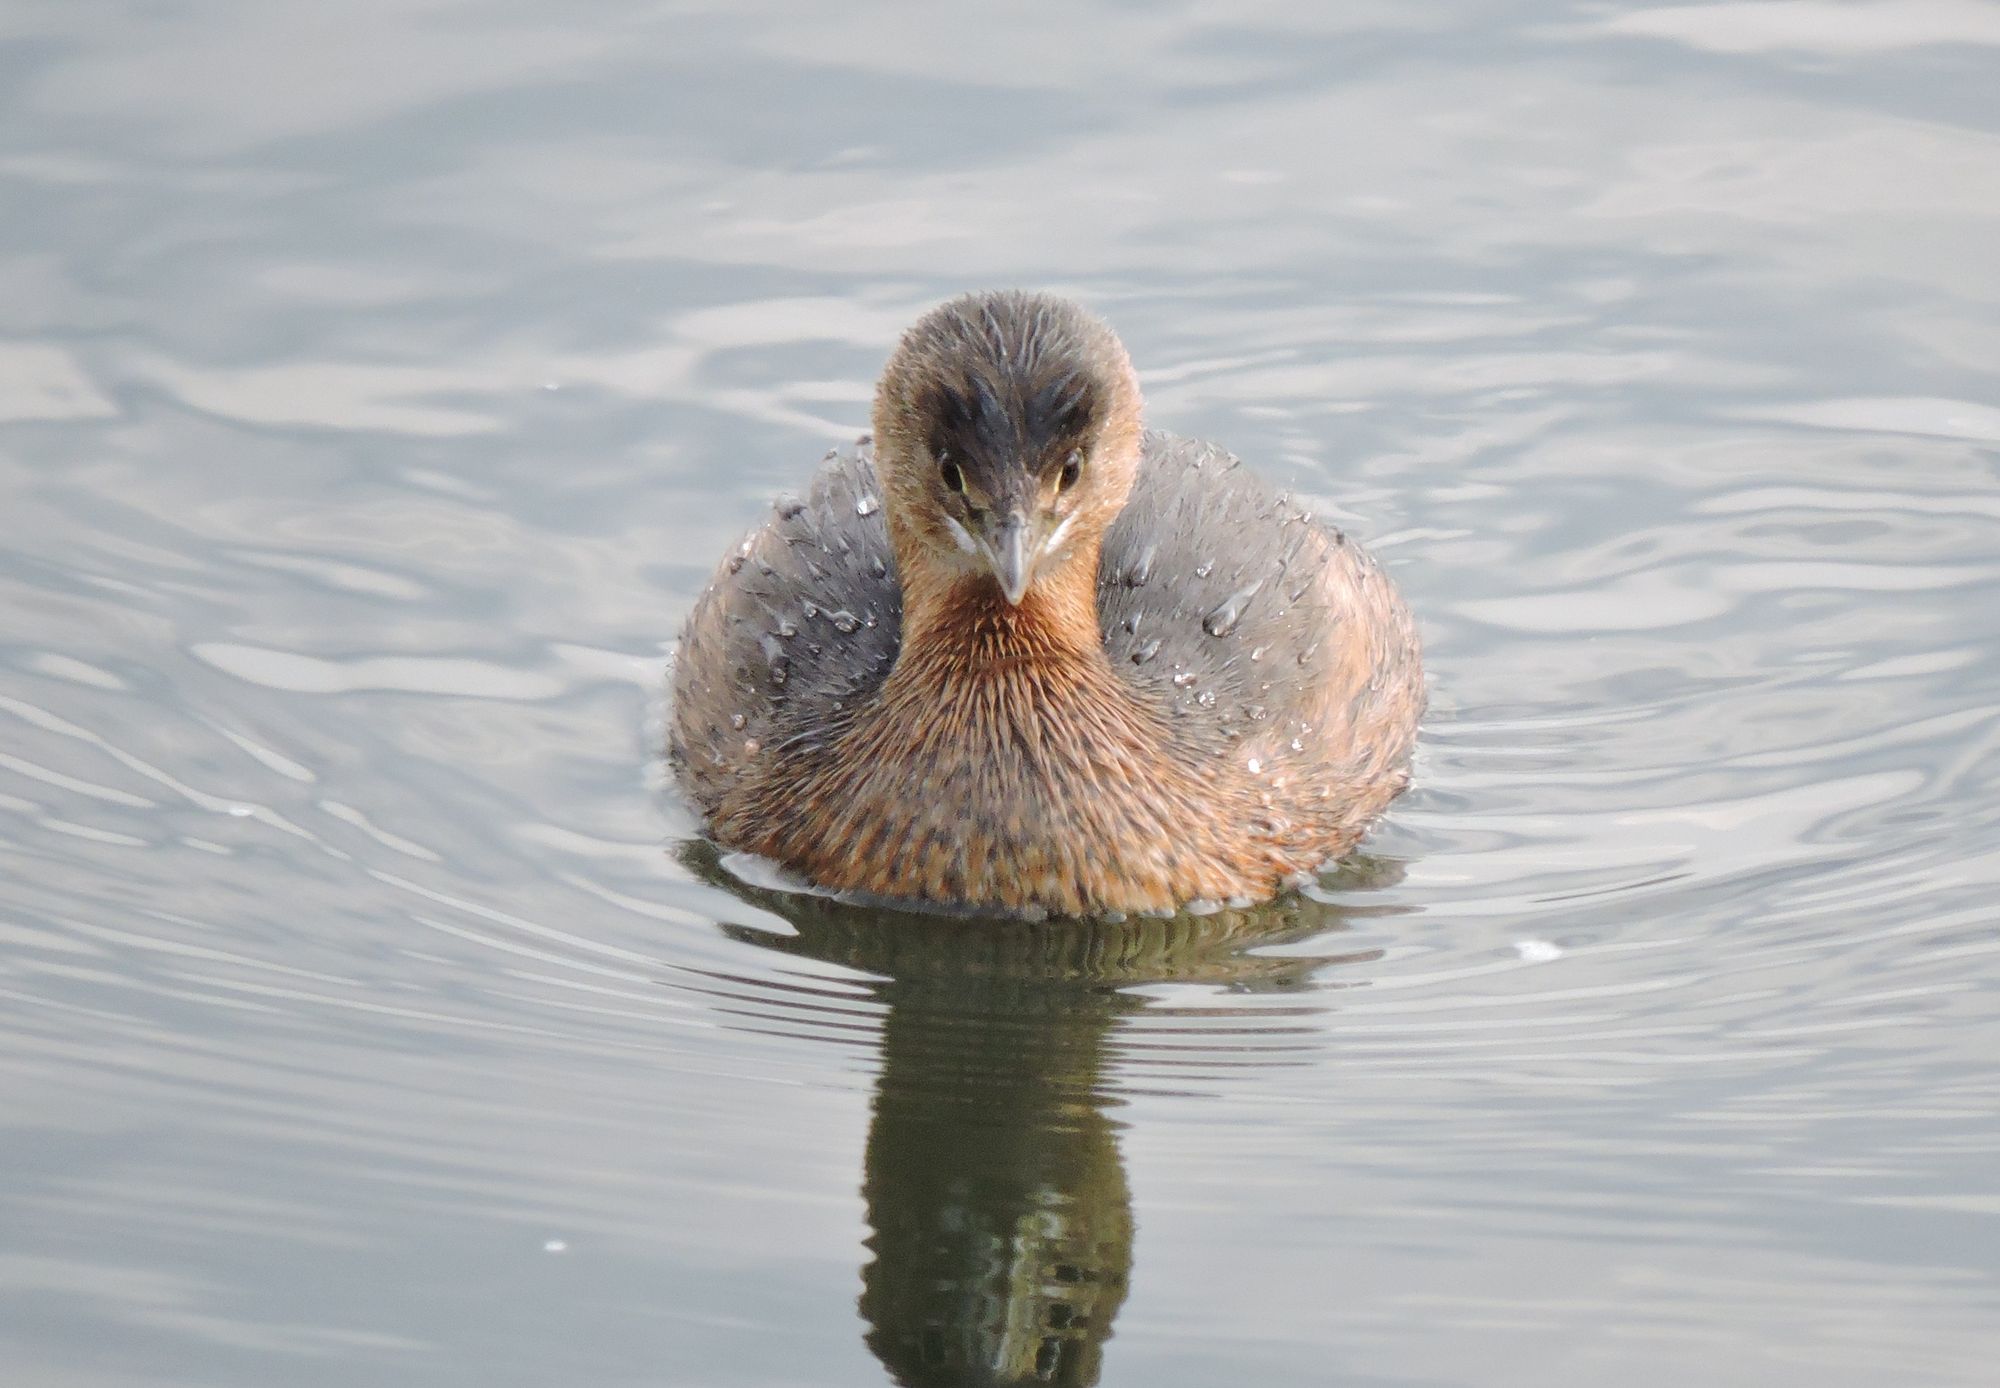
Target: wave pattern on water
369	1011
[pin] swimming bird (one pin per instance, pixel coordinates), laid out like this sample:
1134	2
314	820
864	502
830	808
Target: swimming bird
1013	652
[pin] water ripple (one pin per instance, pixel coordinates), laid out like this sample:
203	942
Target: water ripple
366	1015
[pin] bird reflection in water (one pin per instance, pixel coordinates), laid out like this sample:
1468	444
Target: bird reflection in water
1000	1215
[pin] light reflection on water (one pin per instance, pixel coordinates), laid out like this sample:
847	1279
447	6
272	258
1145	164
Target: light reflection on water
376	394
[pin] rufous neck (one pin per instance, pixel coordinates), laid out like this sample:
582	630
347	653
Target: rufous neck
964	618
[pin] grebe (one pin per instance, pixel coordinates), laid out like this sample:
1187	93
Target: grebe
1015	653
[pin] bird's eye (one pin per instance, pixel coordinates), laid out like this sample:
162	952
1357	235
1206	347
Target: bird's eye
948	470
1071	470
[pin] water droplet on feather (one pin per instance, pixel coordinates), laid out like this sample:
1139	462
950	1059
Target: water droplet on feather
1142	568
1229	612
775	657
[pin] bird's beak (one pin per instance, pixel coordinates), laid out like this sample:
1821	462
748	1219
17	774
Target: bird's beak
1010	550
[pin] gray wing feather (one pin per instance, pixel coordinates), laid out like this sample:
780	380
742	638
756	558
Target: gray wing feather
1211	592
802	620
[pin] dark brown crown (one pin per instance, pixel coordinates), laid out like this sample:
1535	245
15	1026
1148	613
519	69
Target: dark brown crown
1007	383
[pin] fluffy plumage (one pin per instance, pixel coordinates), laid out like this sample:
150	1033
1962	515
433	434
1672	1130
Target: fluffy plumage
1202	693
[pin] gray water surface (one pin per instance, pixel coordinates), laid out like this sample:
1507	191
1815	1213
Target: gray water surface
378	384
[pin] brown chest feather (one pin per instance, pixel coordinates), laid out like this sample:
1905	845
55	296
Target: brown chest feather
1032	783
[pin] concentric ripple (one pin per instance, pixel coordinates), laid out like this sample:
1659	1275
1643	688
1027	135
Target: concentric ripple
375	396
